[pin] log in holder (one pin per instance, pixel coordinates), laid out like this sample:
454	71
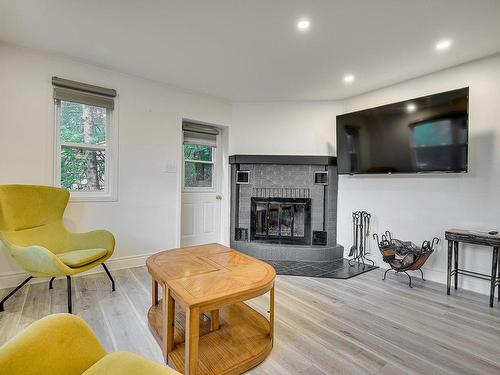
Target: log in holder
389	247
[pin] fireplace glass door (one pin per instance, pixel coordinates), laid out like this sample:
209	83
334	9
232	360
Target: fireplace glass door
283	220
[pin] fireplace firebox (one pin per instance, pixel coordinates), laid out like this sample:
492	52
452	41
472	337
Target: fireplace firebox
281	220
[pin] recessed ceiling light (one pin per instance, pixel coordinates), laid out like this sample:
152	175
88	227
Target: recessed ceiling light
411	107
349	78
443	45
303	24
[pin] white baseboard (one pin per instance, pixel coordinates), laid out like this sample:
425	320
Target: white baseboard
10	280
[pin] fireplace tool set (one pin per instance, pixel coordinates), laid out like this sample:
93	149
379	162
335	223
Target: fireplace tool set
360	233
410	257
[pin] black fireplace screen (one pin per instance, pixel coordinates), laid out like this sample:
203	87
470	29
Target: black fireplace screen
283	220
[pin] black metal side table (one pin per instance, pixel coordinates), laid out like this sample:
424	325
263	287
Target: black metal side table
454	236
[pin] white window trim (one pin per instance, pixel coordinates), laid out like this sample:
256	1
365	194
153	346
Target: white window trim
207	189
110	193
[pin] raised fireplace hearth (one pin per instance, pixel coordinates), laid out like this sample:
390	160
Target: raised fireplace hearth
285	207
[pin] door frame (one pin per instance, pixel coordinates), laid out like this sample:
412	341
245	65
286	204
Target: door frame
222	175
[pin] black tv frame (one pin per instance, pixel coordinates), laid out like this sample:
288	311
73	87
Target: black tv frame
434	172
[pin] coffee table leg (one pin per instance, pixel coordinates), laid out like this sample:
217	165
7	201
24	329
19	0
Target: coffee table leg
168	322
192	338
154	292
214	320
271	313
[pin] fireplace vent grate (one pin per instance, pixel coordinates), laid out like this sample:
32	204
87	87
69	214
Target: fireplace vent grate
281	193
242	177
321	177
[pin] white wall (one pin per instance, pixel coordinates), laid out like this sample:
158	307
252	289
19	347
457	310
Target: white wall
417	207
145	217
296	128
413	207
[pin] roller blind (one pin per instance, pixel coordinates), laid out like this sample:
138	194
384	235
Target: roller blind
72	91
200	134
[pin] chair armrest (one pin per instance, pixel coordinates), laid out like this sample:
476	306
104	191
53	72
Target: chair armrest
38	260
91	240
59	344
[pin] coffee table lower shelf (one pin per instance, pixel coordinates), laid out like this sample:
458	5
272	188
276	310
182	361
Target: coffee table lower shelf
241	343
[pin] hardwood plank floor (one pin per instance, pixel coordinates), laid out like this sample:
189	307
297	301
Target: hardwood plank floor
323	326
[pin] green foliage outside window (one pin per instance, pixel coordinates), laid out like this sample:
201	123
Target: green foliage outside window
197	152
198	166
82	169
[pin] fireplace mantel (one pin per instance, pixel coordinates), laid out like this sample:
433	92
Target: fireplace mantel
283	159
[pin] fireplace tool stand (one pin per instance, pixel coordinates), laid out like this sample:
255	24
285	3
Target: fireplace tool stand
360	231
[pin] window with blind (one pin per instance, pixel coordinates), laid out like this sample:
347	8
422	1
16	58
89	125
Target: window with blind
85	160
199	148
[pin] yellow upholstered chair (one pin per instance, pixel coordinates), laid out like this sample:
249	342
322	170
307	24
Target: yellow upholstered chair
31	227
64	344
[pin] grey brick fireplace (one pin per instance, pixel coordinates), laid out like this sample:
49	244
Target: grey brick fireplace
285	207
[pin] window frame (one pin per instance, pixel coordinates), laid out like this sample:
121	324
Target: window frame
207	189
109	193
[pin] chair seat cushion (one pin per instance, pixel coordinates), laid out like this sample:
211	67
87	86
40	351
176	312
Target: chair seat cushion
80	258
124	363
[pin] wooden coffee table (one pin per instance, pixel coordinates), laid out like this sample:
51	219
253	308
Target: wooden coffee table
211	279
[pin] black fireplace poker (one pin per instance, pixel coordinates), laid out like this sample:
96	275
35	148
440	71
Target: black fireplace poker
360	231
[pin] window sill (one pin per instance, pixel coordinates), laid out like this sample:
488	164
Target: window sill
199	190
91	197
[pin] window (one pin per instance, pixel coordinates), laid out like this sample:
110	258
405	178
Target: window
82	134
83	147
198	166
199	150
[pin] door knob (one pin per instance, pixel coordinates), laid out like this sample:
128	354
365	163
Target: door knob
218	197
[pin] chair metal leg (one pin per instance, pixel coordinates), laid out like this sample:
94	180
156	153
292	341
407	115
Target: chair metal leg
13	292
422	272
409	277
68	280
110	277
50	283
386	273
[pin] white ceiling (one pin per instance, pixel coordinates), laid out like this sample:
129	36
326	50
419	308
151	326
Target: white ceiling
251	50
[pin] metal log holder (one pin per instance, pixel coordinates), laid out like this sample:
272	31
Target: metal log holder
389	247
361	232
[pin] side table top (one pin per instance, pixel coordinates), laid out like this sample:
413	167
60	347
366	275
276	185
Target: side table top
211	274
473	237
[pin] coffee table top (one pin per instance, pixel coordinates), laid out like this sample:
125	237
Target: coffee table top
210	276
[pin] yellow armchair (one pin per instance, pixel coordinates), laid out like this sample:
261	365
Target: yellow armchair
64	344
31	227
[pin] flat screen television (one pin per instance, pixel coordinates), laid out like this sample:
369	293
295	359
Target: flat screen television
426	134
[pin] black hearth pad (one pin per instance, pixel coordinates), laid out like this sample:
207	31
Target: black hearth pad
338	269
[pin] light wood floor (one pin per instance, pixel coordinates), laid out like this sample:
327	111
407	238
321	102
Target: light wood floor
359	326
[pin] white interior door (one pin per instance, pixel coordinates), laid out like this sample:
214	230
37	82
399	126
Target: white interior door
201	198
200	218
